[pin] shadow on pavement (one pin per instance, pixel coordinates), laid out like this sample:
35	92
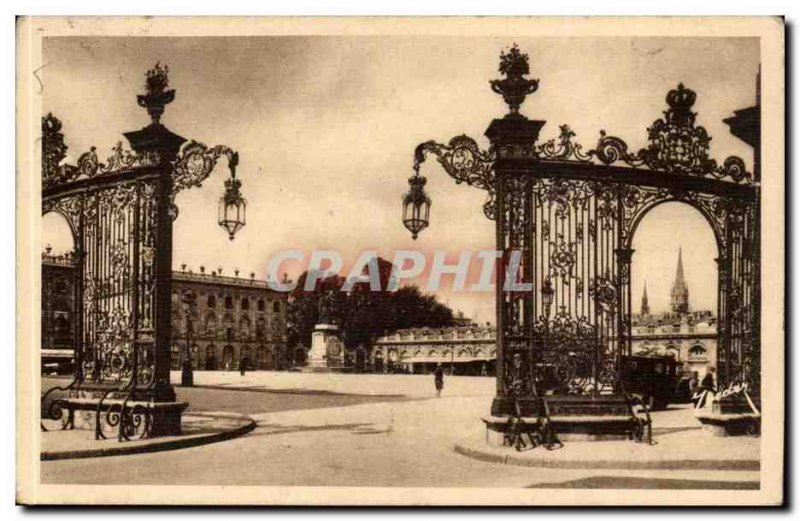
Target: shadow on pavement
268	429
621	482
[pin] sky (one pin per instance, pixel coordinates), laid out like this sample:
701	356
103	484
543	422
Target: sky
326	127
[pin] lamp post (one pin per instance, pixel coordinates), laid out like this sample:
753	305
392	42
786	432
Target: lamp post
187	371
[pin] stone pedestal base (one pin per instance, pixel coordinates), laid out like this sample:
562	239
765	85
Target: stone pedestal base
495	438
735	414
167	418
164	418
327	349
720	424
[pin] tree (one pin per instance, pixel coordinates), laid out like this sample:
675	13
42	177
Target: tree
364	315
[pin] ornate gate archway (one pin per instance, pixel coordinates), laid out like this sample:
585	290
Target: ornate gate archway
565	217
120	214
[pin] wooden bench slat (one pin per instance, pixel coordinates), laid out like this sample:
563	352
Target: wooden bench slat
598	419
505	419
93	402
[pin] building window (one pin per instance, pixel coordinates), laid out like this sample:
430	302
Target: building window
260	328
276	307
244	327
245	304
261	304
697	351
211	323
228	302
212	301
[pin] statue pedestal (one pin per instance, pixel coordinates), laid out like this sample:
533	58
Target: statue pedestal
327	349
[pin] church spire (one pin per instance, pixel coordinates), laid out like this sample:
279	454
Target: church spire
645	304
679	301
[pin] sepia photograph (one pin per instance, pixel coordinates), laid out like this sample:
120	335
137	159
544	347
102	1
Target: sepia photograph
418	261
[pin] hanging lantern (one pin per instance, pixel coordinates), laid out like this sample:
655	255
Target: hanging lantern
232	205
416	205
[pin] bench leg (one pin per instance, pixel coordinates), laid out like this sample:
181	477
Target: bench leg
551	441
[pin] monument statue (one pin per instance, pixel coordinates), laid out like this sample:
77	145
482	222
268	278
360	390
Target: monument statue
327	347
326	311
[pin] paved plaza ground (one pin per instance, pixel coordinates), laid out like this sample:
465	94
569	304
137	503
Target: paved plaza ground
378	430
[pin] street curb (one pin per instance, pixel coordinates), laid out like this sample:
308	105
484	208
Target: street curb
514	458
248	424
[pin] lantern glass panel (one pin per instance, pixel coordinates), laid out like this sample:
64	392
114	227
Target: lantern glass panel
232	214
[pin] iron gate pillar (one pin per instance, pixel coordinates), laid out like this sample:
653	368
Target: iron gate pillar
158	140
513	137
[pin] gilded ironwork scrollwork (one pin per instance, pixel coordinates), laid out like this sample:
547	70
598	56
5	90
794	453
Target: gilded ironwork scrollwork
89	166
566	148
466	163
567	355
676	145
603	290
563	258
194	164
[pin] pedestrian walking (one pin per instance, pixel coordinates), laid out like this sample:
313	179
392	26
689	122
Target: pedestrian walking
708	389
438	379
709	381
242	366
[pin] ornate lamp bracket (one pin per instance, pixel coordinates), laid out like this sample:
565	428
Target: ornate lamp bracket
465	162
196	161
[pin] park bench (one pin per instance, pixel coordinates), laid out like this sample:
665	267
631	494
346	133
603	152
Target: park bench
595	415
110	408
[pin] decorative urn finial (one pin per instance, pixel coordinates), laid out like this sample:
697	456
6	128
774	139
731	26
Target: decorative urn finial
680	103
156	95
514	87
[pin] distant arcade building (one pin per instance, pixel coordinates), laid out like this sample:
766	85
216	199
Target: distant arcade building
461	350
232	318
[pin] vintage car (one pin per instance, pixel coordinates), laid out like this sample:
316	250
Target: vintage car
654	378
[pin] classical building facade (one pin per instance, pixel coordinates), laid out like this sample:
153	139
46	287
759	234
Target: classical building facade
58	308
224	320
231	318
469	350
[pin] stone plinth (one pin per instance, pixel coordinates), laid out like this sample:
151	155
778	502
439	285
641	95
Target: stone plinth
327	349
734	414
730	424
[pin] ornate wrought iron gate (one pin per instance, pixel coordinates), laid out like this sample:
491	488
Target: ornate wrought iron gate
565	218
120	214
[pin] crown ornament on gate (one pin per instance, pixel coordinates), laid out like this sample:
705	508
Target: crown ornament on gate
514	87
680	103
